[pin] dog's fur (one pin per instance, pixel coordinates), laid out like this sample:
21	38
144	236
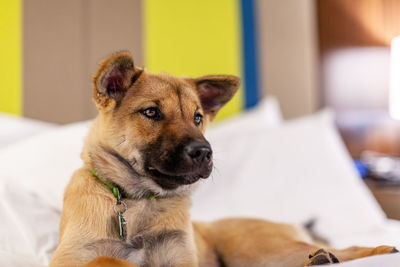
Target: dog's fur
140	151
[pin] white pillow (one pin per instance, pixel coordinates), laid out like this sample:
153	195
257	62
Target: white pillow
297	172
265	115
45	163
13	128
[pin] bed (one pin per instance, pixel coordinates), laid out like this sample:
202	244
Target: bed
293	171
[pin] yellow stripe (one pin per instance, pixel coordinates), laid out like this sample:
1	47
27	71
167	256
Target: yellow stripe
10	57
194	38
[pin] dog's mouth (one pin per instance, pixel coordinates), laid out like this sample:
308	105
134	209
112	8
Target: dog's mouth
172	181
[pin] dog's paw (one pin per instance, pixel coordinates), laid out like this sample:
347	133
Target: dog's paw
383	250
321	257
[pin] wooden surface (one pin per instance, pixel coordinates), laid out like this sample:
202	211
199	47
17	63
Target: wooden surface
388	197
344	23
379	135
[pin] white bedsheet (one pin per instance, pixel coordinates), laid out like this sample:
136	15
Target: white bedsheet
392	260
29	227
258	177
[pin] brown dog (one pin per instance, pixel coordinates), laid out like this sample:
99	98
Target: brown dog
144	152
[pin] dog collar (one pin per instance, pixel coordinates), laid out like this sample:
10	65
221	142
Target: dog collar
115	190
120	206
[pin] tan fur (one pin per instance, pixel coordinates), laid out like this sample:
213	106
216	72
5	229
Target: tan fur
159	231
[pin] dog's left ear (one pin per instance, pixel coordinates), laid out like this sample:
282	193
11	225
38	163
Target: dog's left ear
215	91
115	76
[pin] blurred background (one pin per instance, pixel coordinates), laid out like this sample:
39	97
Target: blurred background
310	54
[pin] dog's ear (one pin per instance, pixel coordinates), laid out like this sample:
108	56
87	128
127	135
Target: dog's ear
215	91
115	76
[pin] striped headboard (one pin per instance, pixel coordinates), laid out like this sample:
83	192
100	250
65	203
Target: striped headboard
181	37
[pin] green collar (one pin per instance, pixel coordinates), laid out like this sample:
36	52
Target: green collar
115	190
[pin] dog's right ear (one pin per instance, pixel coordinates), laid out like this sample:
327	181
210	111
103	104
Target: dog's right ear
115	76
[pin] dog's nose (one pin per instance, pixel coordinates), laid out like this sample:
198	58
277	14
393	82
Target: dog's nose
199	152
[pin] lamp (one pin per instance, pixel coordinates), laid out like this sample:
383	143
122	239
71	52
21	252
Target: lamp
394	79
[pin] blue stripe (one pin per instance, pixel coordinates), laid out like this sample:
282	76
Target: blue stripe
250	53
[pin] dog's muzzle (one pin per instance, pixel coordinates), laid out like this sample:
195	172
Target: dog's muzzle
185	166
199	154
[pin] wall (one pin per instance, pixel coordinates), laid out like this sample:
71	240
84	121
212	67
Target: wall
354	44
63	41
10	57
288	50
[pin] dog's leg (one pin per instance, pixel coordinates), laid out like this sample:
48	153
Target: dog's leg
329	256
360	252
109	262
256	243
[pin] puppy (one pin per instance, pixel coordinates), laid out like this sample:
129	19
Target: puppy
143	155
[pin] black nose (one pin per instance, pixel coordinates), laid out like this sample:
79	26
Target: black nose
199	152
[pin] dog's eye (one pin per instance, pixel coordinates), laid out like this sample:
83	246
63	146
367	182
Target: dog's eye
198	119
152	113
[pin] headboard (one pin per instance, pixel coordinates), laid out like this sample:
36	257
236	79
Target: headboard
63	42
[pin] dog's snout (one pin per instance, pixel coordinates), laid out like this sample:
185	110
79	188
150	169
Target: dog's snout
199	152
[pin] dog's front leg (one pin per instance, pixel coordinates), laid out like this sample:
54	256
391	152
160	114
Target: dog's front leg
173	248
109	262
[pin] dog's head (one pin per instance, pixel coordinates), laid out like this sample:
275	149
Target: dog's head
155	122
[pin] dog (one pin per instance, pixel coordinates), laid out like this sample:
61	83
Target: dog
144	154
